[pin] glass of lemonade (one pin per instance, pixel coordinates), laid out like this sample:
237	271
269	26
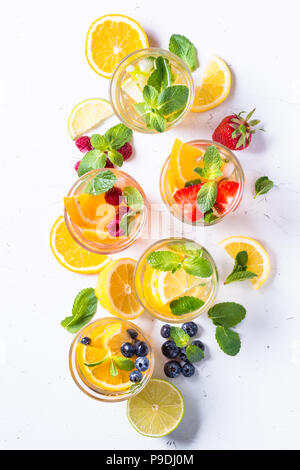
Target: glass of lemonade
105	211
130	78
176	280
178	173
98	365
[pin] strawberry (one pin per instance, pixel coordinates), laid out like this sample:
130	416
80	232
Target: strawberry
187	199
226	190
235	132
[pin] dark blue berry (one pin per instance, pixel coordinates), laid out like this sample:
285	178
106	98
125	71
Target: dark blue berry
188	369
132	333
128	349
85	340
182	355
170	350
142	363
141	348
198	343
165	331
190	328
172	369
136	376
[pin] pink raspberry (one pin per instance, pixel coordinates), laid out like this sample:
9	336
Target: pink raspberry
83	143
76	166
114	229
109	164
126	151
113	196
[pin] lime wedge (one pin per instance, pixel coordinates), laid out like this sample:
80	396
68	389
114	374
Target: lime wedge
88	114
157	410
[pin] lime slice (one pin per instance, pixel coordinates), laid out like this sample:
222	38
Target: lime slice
88	114
157	410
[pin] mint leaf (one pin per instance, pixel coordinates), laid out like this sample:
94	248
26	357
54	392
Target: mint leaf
115	157
227	314
112	368
84	308
161	77
185	304
101	183
155	120
127	222
228	340
212	164
94	364
239	276
133	198
164	260
185	248
118	136
174	116
240	272
123	363
209	216
183	48
207	196
197	266
192	182
141	108
194	353
172	99
180	338
150	95
93	160
263	185
99	142
242	258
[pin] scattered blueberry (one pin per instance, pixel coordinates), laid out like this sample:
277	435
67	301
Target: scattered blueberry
172	369
198	343
182	355
188	369
169	349
85	340
128	349
190	328
141	348
132	333
136	376
165	331
142	363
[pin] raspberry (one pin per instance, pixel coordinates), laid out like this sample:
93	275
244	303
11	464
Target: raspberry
126	151
109	164
83	143
113	196
76	166
114	229
122	210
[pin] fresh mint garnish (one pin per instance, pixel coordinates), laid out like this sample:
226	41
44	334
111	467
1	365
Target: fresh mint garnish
207	196
192	182
263	185
228	340
227	314
115	157
240	272
185	304
127	222
155	120
185	248
101	183
118	136
209	216
212	164
99	142
123	363
194	353
180	338
183	48
133	198
161	77
84	308
164	260
92	160
172	98
112	368
197	265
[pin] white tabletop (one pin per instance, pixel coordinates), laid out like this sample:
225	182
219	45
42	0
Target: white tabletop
249	401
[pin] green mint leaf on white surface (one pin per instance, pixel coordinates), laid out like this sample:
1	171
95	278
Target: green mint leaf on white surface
239	276
115	157
183	48
212	164
185	248
198	266
172	98
118	136
227	314
161	77
94	364
194	353
164	260
123	363
263	185
228	340
101	183
150	95
207	196
99	142
112	368
92	160
185	304
209	217
190	183
84	308
127	222
179	337
133	198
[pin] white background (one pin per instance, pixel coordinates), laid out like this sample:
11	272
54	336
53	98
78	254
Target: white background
250	401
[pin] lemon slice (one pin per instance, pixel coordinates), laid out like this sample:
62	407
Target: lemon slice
88	114
133	90
168	285
258	258
215	86
183	160
157	410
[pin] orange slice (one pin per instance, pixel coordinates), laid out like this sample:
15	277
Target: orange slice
184	159
83	209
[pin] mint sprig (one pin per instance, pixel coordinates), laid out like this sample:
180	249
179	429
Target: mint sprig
207	196
161	77
180	338
240	271
194	353
164	260
185	304
212	164
197	265
185	248
210	217
228	340
133	198
263	185
183	48
101	183
83	310
93	160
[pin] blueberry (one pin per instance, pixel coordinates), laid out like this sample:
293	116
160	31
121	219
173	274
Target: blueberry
128	349
169	349
172	369
188	369
198	343
141	348
182	355
165	331
136	376
85	340
142	363
132	333
190	328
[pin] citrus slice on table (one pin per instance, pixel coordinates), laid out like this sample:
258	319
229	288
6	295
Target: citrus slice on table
157	410
115	289
70	255
88	114
110	39
258	258
215	86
